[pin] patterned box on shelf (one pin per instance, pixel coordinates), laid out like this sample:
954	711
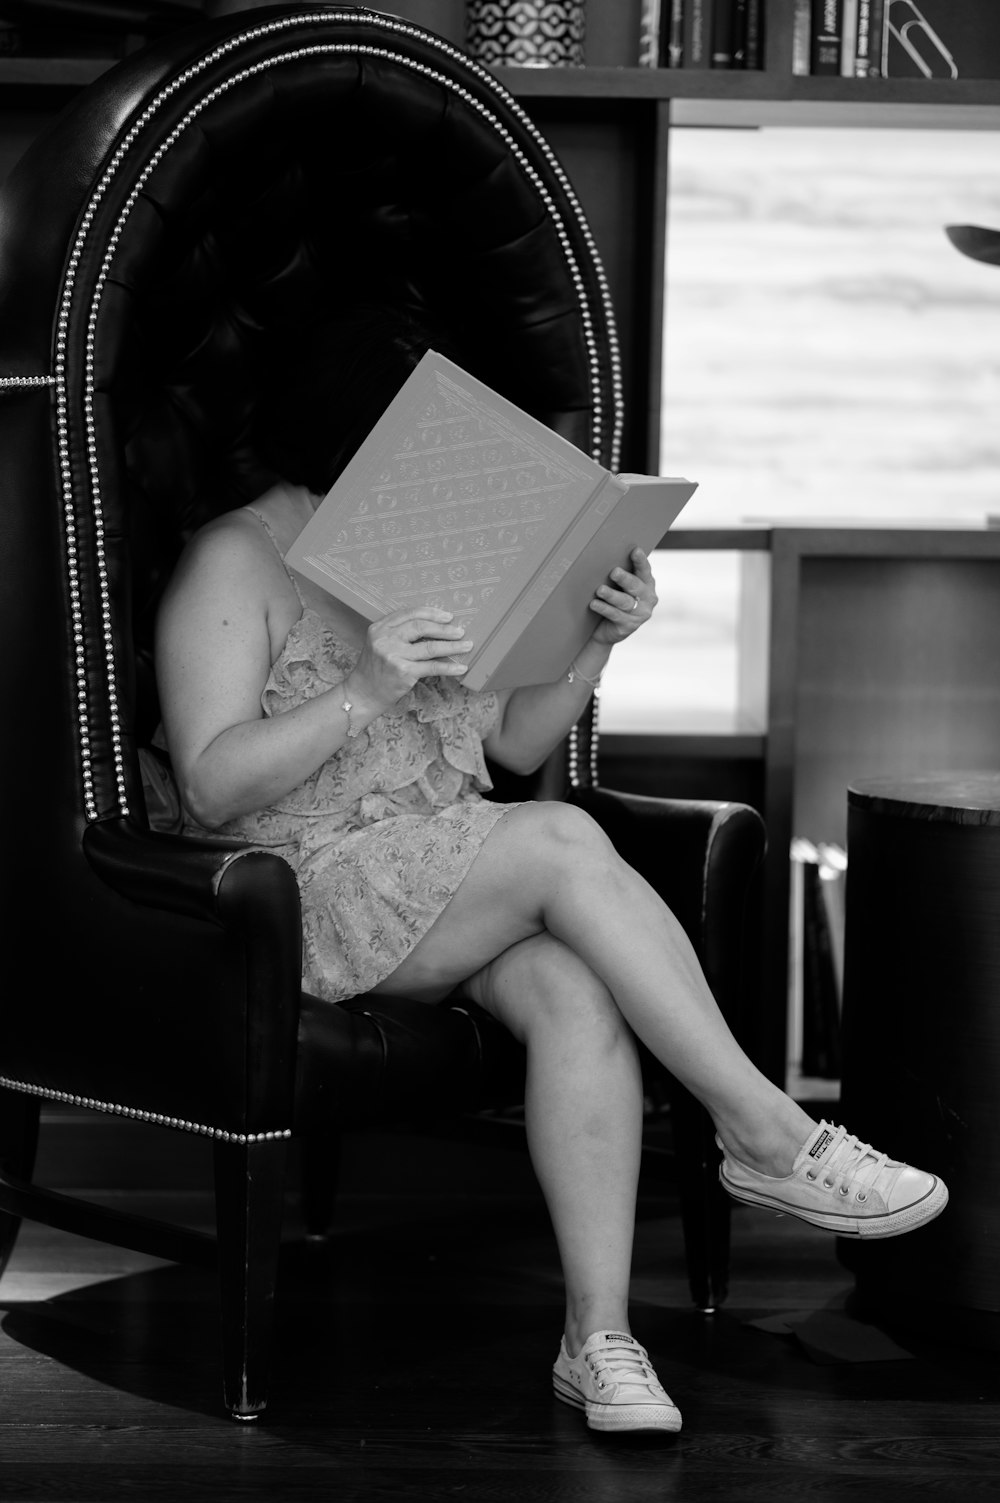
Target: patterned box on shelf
526	33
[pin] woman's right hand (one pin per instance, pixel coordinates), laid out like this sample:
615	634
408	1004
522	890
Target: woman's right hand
404	647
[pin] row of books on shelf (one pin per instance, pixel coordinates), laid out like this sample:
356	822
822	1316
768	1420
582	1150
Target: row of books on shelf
701	34
932	39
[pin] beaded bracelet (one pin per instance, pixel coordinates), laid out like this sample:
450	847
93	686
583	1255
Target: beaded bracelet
574	673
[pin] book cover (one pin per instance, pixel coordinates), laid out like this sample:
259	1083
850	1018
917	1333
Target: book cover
824	48
942	39
457	498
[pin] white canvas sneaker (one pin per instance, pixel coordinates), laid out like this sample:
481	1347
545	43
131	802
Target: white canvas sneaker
843	1185
613	1382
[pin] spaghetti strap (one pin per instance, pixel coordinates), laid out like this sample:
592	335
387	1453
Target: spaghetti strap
268	529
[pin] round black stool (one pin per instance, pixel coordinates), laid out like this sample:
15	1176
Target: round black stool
921	1038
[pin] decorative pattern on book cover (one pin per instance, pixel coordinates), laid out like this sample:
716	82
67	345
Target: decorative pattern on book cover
460	500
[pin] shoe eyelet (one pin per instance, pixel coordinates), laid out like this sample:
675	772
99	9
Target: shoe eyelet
810	1175
828	1184
844	1190
862	1196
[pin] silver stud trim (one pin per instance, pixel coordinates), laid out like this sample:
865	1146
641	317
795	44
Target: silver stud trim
19	383
219	1134
284	24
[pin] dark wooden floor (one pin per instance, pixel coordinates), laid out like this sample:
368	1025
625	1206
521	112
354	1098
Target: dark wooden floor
413	1363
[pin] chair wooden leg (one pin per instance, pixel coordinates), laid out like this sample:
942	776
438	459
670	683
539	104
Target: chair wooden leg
249	1203
705	1205
19	1115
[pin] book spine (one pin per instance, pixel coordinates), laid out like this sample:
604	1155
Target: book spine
863	40
487	656
824	51
877	37
721	33
754	35
672	33
696	37
740	33
649	34
848	37
801	34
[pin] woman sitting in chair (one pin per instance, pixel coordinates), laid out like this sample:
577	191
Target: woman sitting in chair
356	752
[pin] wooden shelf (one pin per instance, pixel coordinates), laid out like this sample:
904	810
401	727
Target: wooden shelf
758	98
696	98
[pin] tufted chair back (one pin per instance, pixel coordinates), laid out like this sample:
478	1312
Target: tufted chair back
159	244
204	200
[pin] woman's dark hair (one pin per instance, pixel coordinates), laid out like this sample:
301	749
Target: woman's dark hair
329	383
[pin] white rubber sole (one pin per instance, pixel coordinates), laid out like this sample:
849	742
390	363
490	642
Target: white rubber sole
889	1224
619	1417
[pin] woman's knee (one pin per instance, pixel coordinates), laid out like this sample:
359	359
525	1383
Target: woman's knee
542	983
568	839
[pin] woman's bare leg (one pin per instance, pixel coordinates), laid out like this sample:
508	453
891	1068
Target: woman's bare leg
549	868
583	1113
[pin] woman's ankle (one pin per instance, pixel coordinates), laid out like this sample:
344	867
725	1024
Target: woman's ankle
578	1330
768	1146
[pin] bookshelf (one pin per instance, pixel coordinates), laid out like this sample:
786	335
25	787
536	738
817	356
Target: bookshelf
804	686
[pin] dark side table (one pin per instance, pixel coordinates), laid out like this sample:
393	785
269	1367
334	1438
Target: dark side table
921	1038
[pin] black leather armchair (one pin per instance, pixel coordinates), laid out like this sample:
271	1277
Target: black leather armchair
227	181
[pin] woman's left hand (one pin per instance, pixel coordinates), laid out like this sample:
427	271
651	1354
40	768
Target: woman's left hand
626	602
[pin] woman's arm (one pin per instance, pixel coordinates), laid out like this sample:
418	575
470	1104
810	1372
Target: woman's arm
535	718
214	654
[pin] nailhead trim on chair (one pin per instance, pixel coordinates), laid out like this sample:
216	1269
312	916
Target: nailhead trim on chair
59	380
218	1133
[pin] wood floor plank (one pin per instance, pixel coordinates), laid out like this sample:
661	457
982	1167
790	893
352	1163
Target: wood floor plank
412	1363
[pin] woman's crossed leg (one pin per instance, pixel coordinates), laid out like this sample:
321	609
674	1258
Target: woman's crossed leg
577	955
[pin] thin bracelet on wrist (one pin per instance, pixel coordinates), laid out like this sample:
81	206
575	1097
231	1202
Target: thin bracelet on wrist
347	707
574	673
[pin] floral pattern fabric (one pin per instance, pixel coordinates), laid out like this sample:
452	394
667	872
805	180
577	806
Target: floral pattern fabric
381	835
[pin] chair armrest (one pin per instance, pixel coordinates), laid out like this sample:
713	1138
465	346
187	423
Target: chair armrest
701	857
202	878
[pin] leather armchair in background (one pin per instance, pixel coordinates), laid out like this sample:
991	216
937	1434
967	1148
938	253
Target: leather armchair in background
228	180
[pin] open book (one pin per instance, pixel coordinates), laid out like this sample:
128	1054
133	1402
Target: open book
459	499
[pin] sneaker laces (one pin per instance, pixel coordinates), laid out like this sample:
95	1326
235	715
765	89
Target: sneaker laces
624	1364
849	1161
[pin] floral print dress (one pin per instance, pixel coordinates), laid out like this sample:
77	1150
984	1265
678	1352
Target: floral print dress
381	835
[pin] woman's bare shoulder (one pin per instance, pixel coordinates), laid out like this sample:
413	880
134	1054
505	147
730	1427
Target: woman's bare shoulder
231	551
